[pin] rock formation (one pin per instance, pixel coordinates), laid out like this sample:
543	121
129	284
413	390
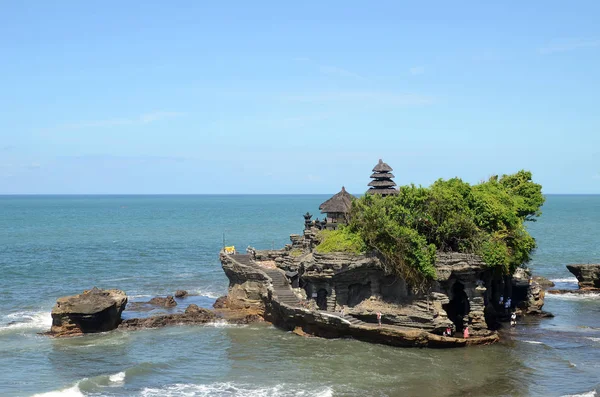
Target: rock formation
95	310
169	301
587	275
181	293
296	288
192	315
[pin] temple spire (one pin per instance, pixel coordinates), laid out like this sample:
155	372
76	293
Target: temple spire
382	182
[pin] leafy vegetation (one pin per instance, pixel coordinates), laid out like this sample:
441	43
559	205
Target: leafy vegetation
340	240
451	215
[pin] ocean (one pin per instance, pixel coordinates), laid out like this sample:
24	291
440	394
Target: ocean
52	246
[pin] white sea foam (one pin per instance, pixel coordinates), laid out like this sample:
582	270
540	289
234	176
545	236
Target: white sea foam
224	324
572	280
138	296
69	392
26	320
533	342
574	296
207	293
587	394
233	390
117	378
593	339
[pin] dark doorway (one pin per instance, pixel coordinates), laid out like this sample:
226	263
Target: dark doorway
459	306
322	299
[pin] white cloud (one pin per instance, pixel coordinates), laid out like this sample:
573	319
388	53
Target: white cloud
377	97
145	118
417	70
564	45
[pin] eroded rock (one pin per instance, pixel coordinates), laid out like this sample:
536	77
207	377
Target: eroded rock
192	315
587	275
168	301
95	310
180	293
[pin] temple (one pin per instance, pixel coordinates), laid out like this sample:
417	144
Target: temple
382	182
337	207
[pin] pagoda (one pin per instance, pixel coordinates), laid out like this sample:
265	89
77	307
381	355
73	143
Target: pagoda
337	207
382	182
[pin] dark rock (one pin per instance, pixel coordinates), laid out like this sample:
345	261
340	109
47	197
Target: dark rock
220	303
193	315
587	291
169	301
587	275
181	293
95	310
543	282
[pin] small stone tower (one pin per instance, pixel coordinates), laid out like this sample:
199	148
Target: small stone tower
382	182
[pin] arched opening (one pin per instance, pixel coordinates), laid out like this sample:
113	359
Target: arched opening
322	299
458	307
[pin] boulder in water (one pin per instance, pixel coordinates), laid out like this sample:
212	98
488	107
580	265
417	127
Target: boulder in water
95	310
180	293
169	301
587	275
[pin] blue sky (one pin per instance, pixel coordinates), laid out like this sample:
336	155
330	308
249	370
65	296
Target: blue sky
295	97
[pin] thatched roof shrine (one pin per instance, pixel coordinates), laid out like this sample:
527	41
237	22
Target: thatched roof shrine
339	203
382	182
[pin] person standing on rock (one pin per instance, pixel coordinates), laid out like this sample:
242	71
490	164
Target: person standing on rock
379	318
342	310
513	319
466	332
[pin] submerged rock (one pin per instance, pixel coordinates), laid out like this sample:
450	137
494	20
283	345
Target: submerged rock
543	281
95	310
169	301
587	275
192	315
180	293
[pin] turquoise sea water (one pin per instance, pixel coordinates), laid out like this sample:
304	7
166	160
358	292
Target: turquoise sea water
52	246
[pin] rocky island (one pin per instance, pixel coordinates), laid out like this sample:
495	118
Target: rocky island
345	276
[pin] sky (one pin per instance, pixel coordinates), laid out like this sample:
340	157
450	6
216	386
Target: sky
193	97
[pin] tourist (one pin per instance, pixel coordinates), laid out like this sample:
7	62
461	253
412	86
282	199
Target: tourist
513	319
501	300
507	304
466	332
379	318
448	331
342	310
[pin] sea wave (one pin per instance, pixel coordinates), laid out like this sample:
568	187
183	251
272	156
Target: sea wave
586	394
207	293
87	385
72	391
533	342
26	320
593	339
224	324
233	390
574	296
564	280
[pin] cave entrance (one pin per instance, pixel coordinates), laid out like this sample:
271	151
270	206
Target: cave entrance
358	293
459	306
322	299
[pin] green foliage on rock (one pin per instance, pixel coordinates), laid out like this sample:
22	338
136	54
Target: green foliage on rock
451	215
340	240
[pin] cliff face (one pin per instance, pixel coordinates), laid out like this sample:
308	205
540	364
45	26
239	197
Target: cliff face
465	293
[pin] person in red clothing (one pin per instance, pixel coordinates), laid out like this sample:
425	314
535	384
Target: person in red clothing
379	318
466	332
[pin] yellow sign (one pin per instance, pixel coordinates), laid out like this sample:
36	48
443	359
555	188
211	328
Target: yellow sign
230	250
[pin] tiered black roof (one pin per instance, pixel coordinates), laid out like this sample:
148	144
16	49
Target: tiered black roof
382	182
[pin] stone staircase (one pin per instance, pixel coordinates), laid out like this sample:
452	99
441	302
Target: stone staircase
281	285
